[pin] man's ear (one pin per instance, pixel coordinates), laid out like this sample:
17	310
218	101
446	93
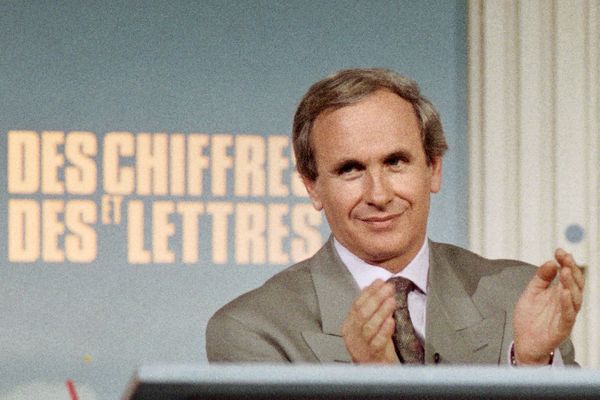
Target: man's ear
436	174
311	188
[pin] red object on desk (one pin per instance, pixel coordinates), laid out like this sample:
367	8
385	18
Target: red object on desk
72	391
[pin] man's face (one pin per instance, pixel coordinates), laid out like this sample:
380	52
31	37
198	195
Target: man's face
373	178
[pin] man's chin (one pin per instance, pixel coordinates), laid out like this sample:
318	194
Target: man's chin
382	255
388	253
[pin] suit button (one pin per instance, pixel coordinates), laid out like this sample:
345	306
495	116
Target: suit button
436	358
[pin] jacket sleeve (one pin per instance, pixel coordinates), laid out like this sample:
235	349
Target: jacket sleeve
567	352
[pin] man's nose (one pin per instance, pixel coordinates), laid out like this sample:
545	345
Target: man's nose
378	190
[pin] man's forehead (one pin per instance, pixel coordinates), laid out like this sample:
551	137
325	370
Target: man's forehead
344	139
357	99
384	114
383	104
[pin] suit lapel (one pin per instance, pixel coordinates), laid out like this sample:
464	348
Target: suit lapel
335	290
456	331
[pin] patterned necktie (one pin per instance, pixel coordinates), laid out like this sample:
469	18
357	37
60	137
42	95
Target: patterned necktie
408	346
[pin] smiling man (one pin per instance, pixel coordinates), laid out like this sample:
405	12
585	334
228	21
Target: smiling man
369	149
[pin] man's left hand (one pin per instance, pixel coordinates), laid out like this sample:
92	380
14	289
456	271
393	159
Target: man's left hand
545	314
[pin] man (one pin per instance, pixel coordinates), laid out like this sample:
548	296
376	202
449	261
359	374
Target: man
369	149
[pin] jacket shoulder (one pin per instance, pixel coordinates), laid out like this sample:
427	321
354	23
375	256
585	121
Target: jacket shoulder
467	262
501	281
264	324
293	285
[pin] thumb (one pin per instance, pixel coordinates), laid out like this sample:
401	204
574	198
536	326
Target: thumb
545	274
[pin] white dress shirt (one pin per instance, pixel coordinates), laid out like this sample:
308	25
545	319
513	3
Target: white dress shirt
416	271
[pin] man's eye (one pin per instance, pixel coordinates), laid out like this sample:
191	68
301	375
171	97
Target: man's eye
397	162
349	169
346	169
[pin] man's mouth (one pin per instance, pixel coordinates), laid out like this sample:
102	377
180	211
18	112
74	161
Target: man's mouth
380	218
380	221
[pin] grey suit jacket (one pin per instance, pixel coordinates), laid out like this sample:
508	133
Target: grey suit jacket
297	315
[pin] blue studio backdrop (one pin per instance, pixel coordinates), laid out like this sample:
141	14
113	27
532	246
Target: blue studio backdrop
147	172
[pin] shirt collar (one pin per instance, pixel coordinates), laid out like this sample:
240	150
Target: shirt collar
364	273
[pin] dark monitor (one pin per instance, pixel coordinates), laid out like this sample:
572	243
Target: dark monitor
352	382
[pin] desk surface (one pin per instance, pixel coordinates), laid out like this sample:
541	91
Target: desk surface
260	381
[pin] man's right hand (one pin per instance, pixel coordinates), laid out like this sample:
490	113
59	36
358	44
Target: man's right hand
370	324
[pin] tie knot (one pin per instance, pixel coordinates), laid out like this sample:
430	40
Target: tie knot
403	287
402	284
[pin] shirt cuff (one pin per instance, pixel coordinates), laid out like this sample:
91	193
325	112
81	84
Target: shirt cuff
557	360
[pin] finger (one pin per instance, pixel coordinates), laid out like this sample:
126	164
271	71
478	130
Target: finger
364	306
369	291
545	275
579	277
384	335
371	300
563	257
567	281
373	326
377	288
568	313
566	260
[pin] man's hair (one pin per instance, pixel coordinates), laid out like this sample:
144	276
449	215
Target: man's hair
347	87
